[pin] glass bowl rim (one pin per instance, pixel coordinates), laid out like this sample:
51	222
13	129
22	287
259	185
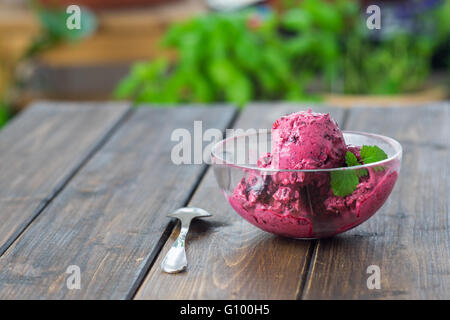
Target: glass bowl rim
396	145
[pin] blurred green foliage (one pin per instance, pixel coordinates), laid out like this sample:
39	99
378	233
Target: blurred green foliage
4	114
54	31
238	57
443	31
54	28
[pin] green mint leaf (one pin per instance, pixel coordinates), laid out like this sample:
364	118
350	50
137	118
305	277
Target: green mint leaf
344	182
370	154
361	172
350	159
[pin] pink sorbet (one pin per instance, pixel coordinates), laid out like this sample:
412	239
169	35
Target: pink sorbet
302	204
307	140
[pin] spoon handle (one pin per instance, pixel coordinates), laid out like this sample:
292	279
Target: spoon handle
175	260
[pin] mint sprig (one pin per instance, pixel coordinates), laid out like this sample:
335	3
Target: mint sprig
344	182
350	159
370	154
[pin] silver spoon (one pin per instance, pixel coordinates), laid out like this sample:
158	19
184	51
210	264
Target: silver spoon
175	260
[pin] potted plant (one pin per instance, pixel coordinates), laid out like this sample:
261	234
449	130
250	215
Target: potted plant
313	48
100	4
392	65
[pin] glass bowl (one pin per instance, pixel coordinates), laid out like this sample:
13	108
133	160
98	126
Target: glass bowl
301	203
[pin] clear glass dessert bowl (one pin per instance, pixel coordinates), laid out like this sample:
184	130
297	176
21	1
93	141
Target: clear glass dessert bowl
303	204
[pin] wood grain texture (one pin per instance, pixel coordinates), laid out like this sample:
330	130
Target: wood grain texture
409	237
110	218
39	151
228	257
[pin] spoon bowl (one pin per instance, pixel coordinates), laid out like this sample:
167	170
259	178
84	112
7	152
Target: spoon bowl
175	260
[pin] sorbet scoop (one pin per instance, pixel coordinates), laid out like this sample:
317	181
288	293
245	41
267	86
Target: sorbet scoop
175	260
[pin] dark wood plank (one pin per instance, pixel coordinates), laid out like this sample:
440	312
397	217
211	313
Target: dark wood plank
40	150
409	237
228	257
109	220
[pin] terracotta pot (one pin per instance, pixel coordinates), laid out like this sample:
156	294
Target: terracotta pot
102	4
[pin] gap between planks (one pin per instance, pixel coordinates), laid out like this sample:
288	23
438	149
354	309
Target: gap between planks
121	138
155	279
313	249
171	225
411	269
63	183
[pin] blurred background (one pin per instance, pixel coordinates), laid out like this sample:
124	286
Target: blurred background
170	52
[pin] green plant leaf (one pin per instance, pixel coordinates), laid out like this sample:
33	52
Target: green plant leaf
350	159
297	19
239	91
141	75
370	154
324	14
343	182
300	45
4	114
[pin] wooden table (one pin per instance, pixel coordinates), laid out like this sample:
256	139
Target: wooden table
90	185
